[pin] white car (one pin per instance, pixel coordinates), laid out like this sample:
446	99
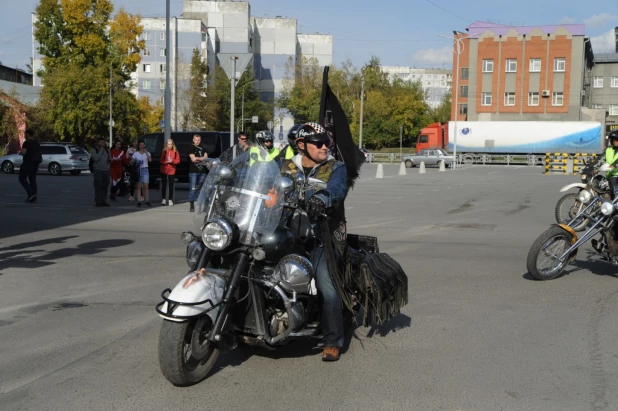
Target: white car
431	157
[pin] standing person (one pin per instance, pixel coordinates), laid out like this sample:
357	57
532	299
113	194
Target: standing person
142	158
116	168
31	151
237	149
101	160
132	169
170	158
197	154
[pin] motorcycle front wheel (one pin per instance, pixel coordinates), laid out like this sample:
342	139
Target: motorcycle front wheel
567	208
185	355
546	249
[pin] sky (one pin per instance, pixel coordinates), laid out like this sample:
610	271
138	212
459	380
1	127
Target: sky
398	32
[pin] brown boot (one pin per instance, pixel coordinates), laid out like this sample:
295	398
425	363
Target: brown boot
330	354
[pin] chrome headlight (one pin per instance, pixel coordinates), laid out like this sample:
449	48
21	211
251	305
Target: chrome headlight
217	234
607	208
194	249
584	196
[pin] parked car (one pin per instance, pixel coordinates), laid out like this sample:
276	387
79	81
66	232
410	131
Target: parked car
57	159
215	143
431	157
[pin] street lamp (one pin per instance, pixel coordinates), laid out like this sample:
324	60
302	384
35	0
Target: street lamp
458	49
111	121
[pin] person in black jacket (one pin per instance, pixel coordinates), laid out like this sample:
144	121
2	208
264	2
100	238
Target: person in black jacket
31	151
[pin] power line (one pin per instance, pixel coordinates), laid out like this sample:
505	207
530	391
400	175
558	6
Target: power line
448	11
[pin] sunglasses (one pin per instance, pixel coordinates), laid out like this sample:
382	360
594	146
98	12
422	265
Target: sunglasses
242	139
318	144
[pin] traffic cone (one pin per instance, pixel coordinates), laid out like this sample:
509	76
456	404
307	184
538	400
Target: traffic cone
442	167
380	172
402	169
421	169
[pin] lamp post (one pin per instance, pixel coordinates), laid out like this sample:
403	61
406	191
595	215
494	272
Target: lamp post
167	114
233	87
111	120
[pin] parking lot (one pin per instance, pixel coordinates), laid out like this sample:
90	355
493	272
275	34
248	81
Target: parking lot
78	286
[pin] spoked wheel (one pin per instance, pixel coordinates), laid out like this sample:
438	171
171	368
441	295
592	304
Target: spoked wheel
543	263
567	208
185	355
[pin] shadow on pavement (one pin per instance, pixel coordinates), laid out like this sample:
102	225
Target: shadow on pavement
26	255
592	263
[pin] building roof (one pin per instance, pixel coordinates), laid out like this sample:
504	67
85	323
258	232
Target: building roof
25	94
606	58
479	27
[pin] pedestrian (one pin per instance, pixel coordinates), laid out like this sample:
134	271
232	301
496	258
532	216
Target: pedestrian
197	171
142	158
131	169
101	160
116	168
31	152
170	158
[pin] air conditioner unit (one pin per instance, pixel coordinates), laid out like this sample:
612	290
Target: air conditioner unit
545	93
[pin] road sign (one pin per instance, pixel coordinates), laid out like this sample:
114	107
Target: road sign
162	123
112	123
281	136
269	125
255	119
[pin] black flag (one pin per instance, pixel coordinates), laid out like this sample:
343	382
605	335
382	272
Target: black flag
334	120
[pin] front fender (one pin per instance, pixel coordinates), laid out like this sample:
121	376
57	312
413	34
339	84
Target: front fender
568	230
570	186
197	293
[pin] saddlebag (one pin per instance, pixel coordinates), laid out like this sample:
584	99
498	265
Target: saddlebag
384	288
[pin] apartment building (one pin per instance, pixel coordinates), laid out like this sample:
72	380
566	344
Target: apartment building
436	83
603	86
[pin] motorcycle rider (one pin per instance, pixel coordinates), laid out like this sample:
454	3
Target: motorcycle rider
611	158
315	161
291	149
265	140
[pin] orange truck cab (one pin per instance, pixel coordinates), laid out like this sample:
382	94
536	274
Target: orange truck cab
433	136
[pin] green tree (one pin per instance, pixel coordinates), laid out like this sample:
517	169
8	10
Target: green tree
80	44
253	105
442	113
200	113
302	89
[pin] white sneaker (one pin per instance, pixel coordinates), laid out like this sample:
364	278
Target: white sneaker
163	202
170	203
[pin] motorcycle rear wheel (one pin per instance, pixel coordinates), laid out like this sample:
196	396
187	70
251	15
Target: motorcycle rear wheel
538	249
574	207
185	356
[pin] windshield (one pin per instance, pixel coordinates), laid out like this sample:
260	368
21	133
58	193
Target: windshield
246	193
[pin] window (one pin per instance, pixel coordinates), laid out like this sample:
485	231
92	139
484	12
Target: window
486	99
598	82
162	68
465	72
146	84
146	35
614	82
535	65
488	66
597	106
463	109
559	64
509	99
533	98
162	53
53	150
557	99
162	84
162	35
613	110
146	68
511	65
463	91
146	52
423	139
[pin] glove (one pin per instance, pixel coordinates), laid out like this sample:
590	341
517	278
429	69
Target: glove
316	207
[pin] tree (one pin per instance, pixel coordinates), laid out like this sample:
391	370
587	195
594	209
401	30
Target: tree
302	89
442	113
198	112
80	44
150	115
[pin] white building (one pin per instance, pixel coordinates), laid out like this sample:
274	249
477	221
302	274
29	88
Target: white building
436	83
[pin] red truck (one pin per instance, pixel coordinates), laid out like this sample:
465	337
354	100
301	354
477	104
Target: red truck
433	136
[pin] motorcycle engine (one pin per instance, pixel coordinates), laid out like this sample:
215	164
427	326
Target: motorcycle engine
294	273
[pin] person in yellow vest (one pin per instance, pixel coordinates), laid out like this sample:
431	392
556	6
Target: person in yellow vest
265	140
611	158
291	149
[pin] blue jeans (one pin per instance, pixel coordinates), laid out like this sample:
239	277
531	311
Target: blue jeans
195	179
332	308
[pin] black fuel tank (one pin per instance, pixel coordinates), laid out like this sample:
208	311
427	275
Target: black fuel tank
281	243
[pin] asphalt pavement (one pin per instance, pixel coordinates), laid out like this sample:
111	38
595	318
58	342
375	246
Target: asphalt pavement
78	286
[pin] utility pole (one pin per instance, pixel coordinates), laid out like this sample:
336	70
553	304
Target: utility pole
362	97
111	121
233	86
400	140
167	116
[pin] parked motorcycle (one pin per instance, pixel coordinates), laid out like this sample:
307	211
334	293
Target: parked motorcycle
592	179
251	279
560	243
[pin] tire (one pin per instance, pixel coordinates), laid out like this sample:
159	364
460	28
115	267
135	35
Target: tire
409	164
173	339
76	172
8	167
573	210
552	234
55	169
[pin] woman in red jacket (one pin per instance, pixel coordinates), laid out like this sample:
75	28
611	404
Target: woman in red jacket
116	168
169	159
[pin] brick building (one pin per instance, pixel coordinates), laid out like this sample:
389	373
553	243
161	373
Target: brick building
521	73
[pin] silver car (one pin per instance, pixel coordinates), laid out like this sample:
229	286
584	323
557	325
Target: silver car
431	157
57	158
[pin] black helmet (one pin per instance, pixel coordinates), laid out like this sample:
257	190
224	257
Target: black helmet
312	133
292	135
613	135
262	137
